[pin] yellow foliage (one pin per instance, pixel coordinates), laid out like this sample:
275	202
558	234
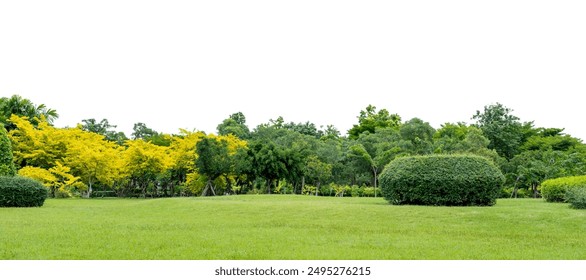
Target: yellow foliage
234	143
93	158
145	158
71	159
36	173
40	147
195	183
182	149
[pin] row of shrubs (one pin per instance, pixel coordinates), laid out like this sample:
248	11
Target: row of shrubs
341	190
454	180
566	189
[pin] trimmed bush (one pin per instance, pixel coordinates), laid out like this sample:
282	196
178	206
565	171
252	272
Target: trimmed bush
577	198
554	190
21	192
442	180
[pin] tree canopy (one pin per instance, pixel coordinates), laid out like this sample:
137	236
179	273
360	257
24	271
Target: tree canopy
278	156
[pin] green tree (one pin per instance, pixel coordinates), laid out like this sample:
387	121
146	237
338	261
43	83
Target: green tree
213	161
105	129
6	164
360	152
330	132
504	130
307	128
419	136
369	119
235	125
318	171
141	131
550	139
268	161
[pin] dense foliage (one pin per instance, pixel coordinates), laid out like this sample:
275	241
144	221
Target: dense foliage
556	190
273	157
448	180
577	198
6	165
16	191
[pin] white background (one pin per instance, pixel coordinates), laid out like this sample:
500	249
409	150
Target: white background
190	64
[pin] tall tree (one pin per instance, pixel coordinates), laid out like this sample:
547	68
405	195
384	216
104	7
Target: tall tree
213	161
235	125
369	119
144	163
268	161
419	136
104	128
141	131
93	159
359	151
503	129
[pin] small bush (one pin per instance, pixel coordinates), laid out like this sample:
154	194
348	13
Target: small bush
521	193
21	192
446	180
356	191
554	190
577	198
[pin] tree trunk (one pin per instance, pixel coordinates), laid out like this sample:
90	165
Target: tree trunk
228	185
269	182
317	189
89	190
209	186
144	187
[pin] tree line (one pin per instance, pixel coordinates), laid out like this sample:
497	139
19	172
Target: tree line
93	159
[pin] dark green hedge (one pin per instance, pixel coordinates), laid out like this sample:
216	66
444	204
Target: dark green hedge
446	180
554	190
16	191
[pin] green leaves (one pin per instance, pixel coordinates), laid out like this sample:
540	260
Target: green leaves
370	119
213	159
504	130
6	165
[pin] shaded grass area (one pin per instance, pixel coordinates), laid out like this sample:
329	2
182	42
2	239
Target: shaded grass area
289	227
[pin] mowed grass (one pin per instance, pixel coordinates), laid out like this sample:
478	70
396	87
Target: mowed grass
277	227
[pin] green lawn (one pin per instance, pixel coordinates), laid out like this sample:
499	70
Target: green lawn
289	227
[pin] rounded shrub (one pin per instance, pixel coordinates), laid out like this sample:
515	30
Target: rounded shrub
442	180
16	191
554	190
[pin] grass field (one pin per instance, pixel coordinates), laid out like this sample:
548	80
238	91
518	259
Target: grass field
289	227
